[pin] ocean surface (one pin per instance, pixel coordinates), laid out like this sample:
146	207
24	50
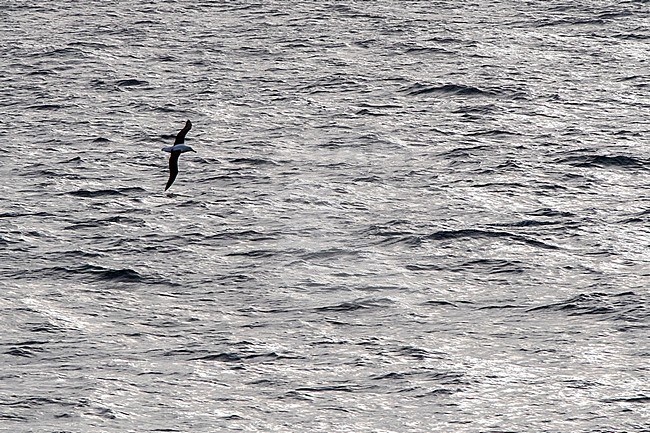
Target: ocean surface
402	216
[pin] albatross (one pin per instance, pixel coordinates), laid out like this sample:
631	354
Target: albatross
176	150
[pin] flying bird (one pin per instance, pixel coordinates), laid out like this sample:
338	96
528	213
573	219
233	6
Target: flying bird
176	150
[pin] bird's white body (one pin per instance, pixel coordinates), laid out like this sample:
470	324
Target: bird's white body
182	148
176	150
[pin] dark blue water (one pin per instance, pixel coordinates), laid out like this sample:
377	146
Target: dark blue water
402	217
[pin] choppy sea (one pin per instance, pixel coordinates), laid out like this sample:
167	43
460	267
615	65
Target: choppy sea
402	216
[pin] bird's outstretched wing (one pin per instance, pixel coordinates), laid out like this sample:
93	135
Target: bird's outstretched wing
173	168
180	137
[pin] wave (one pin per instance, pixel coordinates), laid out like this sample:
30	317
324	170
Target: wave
101	273
428	50
425	267
254	253
117	219
528	223
476	234
85	193
26	349
491	133
236	357
595	303
131	83
252	235
95	273
367	112
489	266
641	399
329	388
446	235
33	402
493	266
357	304
435	303
548	212
446	89
329	253
46	107
252	161
605	161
